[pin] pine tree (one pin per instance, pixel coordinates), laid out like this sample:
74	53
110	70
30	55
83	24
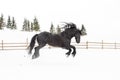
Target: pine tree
25	25
36	24
32	27
28	25
13	24
58	29
9	22
52	29
2	23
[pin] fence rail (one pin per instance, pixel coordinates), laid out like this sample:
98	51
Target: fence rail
82	45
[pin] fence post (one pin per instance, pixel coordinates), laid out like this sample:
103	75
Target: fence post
115	45
27	42
102	44
86	44
2	45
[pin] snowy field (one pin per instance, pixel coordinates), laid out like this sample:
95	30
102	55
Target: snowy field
54	65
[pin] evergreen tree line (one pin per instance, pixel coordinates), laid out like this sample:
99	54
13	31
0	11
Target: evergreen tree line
54	30
31	26
11	24
27	25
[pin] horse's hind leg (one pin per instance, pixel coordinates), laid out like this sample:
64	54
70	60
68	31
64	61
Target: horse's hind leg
30	50
36	54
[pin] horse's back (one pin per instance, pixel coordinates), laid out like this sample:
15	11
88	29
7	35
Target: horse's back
45	34
51	39
43	37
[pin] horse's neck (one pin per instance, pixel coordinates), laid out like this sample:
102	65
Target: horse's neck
66	35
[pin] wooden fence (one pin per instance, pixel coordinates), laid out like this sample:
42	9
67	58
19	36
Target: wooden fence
82	45
14	46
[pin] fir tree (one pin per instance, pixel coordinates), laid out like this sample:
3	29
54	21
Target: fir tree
32	27
28	25
25	25
2	23
13	25
58	29
36	24
52	29
9	22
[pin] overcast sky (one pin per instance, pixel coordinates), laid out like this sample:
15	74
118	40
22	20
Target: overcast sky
100	17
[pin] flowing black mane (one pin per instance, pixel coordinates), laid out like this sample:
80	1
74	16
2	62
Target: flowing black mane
62	40
68	33
69	25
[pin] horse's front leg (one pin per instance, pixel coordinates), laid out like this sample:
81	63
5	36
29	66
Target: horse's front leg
68	48
68	53
74	50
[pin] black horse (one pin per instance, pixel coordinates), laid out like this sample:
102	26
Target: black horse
62	40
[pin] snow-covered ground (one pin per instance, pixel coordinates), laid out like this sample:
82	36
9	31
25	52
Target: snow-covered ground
88	64
15	35
54	65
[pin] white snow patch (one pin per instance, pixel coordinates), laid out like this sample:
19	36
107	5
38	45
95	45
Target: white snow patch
54	65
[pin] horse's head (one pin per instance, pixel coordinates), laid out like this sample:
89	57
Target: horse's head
72	30
77	36
79	33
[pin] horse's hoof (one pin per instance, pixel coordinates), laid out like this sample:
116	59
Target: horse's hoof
34	57
73	55
67	54
29	53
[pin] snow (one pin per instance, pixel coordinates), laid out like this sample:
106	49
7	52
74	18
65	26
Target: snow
88	64
54	65
15	35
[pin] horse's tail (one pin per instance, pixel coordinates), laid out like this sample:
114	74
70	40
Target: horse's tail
32	43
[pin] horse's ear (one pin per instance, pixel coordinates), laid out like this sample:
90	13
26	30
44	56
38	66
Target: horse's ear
83	28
